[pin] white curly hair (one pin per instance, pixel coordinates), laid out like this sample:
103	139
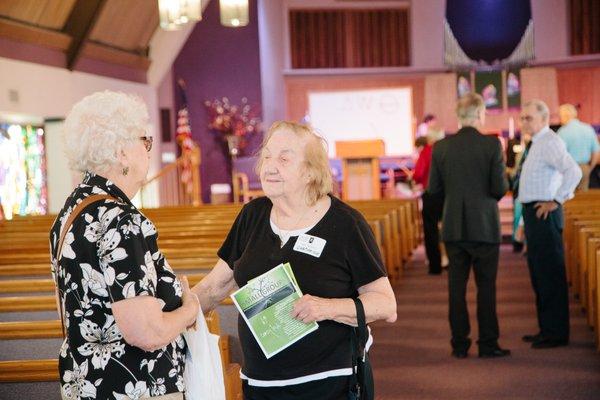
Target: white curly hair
99	126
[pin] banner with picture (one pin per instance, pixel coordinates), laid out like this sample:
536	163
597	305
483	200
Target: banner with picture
513	88
489	85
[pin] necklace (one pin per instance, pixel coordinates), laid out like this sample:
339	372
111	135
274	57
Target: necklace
278	222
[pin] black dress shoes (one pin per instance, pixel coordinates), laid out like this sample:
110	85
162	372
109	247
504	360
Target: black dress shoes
460	353
531	338
548	343
517	246
493	353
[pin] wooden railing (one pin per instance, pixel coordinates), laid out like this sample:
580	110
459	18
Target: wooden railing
179	182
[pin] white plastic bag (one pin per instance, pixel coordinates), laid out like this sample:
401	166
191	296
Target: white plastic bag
203	375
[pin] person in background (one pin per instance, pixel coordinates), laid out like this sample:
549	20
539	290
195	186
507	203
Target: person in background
518	240
548	179
419	145
429	121
581	141
432	204
468	170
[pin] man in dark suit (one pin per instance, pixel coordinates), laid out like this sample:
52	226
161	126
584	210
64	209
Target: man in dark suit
467	168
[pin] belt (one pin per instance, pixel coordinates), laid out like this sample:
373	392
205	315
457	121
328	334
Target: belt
532	203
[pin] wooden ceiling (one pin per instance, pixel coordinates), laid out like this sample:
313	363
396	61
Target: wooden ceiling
113	31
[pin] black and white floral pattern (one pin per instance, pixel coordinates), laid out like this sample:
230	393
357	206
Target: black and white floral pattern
108	255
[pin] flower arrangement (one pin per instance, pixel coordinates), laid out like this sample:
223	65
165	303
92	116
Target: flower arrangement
229	119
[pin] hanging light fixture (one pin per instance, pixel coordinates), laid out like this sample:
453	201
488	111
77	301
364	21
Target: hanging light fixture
234	13
175	13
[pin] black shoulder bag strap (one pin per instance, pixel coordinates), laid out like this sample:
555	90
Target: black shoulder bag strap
362	387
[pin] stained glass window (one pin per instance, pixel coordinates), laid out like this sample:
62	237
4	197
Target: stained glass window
22	170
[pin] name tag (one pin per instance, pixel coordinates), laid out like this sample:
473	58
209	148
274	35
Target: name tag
311	245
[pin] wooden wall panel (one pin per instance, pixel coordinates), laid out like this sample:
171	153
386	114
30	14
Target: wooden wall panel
581	86
436	93
440	99
540	83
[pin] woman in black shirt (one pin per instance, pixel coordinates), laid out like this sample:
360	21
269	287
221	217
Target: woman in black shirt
340	260
124	308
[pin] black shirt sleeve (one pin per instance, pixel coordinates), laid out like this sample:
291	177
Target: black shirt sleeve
363	255
236	240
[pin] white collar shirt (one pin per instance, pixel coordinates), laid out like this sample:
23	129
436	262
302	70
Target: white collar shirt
549	172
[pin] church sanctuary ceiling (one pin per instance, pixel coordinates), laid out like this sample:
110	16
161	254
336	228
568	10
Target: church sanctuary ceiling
110	35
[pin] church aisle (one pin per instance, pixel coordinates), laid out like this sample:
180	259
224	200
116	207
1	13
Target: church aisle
412	358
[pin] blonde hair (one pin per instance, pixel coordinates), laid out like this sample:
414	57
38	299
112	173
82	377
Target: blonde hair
568	110
99	126
468	107
316	161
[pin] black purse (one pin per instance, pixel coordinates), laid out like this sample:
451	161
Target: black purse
362	386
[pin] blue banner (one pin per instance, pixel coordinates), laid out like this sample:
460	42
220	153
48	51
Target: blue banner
488	32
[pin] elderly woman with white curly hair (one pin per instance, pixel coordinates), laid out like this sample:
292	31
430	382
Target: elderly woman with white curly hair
122	307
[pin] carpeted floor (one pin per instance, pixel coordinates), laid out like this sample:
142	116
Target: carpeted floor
412	358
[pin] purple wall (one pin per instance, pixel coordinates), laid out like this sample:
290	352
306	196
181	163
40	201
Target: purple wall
218	62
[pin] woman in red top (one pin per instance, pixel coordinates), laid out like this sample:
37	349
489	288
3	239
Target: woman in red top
421	173
432	204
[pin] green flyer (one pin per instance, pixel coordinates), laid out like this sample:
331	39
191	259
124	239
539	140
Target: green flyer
266	304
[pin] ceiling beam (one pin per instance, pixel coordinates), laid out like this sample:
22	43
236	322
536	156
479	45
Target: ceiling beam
102	52
26	33
80	23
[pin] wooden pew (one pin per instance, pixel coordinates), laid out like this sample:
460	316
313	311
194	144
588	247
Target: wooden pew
47	285
41	303
395	223
47	369
581	236
173	236
597	318
184	263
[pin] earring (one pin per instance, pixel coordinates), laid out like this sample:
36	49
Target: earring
125	171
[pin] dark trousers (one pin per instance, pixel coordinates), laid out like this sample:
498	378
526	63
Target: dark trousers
484	259
432	214
546	261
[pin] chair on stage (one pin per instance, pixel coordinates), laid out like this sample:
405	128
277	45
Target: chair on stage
246	182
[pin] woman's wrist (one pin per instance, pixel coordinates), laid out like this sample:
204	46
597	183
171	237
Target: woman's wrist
341	310
193	307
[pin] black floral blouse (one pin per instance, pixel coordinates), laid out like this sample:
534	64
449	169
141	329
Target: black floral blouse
110	254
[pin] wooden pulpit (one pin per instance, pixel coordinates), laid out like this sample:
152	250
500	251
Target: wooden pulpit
360	168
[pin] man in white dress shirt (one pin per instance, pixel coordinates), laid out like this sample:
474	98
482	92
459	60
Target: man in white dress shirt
548	178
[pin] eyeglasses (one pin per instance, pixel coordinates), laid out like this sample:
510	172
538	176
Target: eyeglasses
526	118
147	142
